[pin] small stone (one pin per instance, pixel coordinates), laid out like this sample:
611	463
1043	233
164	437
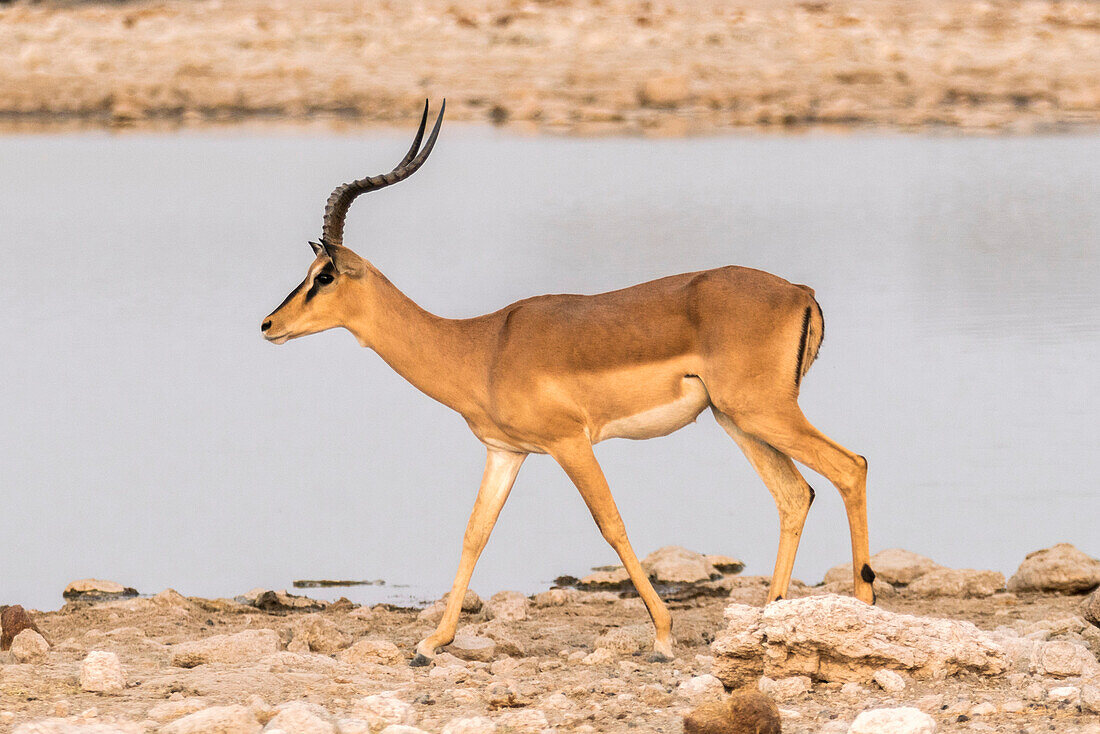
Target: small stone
619	641
853	691
1064	659
983	709
701	688
893	721
1090	699
1013	707
889	681
315	633
301	718
101	672
172	710
215	720
471	602
725	564
502	694
381	710
962	583
13	620
1061	568
614	578
524	721
1064	694
29	646
97	590
380	652
507	606
675	565
1090	608
744	712
667	91
472	647
785	689
556	597
470	725
599	657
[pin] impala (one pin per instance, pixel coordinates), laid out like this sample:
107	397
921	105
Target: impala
556	374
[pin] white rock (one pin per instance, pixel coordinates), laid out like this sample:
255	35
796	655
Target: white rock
983	709
893	565
1064	694
471	602
599	657
620	641
28	646
472	647
701	688
675	565
300	718
381	652
523	721
315	633
1063	659
172	710
1061	568
836	638
893	721
1090	699
785	689
962	583
470	725
101	672
215	720
247	646
556	598
507	606
381	710
889	681
96	588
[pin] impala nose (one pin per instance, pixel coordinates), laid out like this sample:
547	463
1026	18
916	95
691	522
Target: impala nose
266	325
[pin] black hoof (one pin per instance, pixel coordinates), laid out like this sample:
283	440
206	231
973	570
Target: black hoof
658	657
419	661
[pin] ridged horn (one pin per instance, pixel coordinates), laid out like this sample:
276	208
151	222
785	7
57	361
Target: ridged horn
336	209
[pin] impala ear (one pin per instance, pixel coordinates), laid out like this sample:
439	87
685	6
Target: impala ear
318	248
344	260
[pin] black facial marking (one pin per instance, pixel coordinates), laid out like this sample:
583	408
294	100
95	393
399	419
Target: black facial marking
290	295
327	274
867	574
813	494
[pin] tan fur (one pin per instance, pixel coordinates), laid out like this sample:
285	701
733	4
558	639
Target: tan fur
558	373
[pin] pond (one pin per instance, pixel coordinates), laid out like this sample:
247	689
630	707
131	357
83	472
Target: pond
151	436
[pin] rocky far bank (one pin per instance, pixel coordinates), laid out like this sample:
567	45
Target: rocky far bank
569	66
945	650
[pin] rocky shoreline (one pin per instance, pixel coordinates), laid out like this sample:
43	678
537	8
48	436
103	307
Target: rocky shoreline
953	655
563	66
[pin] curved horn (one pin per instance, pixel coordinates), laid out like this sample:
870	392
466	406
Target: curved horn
336	209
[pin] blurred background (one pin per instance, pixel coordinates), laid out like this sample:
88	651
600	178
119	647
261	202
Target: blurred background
930	168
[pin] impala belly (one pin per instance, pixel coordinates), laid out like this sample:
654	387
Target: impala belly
668	410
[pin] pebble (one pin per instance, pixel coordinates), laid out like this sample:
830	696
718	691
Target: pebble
29	646
382	710
785	689
599	657
903	720
1064	694
983	709
701	688
220	719
889	680
101	672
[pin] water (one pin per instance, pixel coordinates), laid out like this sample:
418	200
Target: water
151	436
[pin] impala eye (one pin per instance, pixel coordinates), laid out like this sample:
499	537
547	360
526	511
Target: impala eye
323	279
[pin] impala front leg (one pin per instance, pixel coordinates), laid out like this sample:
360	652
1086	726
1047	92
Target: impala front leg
501	468
580	464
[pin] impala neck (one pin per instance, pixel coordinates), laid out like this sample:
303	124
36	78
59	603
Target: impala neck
436	355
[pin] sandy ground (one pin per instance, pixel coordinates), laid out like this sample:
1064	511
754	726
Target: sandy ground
545	669
570	66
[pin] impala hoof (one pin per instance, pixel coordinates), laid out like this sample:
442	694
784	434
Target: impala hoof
658	657
420	661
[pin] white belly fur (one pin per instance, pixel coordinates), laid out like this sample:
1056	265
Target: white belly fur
661	420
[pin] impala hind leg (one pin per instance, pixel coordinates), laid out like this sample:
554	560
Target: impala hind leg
501	468
783	425
793	497
580	464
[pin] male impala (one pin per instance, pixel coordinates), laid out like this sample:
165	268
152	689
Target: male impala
556	374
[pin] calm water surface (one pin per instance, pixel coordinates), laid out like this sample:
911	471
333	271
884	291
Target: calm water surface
151	436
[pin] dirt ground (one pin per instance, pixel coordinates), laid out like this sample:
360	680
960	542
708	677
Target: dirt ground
651	67
545	669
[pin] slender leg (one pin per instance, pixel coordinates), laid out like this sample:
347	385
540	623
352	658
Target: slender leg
501	468
793	496
580	464
786	429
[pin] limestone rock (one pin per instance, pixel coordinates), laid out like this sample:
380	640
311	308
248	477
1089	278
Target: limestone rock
725	564
472	647
101	672
382	652
556	597
1090	609
507	642
785	689
96	590
246	646
507	606
471	602
675	565
470	725
904	720
611	578
1061	568
13	620
314	633
745	712
895	566
300	718
666	91
622	641
1064	659
523	721
701	688
382	710
958	582
601	656
836	638
215	720
281	601
29	646
889	681
172	710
